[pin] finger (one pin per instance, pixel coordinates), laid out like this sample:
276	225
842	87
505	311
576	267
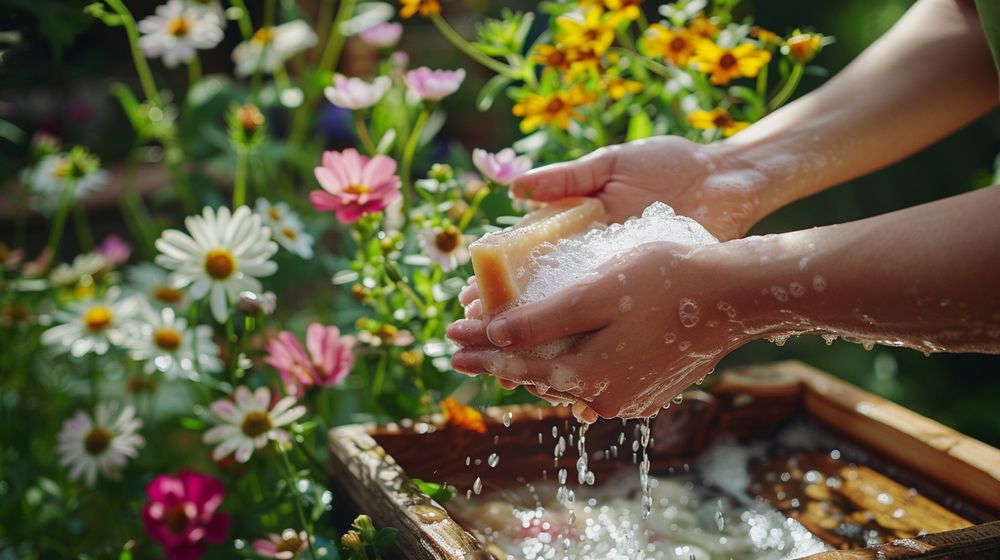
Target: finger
582	177
474	310
469	293
584	413
582	308
556	377
468	333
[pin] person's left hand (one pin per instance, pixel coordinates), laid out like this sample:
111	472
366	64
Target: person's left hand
646	326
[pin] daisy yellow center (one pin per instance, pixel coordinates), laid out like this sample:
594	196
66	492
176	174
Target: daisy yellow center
291	543
97	441
98	318
356	189
290	233
167	294
448	239
62	169
256	424
274	213
167	338
220	264
175	518
178	27
727	61
263	36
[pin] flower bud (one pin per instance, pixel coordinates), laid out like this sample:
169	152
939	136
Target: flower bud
365	527
803	47
351	540
441	172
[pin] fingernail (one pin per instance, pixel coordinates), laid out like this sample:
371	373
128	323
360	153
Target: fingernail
497	332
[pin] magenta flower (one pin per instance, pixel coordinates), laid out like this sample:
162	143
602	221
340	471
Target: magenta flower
355	185
502	167
330	358
286	546
356	94
434	85
183	514
382	36
114	250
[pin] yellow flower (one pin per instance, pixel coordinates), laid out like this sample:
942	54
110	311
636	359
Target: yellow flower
803	47
676	46
703	27
725	64
628	9
552	57
763	35
717	118
461	416
618	87
545	108
425	7
593	31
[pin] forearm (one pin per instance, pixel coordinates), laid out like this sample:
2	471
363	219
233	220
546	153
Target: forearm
931	74
925	277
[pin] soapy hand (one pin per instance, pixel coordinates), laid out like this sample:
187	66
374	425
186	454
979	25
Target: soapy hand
641	330
694	179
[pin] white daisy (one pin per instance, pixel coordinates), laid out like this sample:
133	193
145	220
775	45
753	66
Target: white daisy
154	284
178	29
92	325
85	264
446	245
165	343
270	47
48	179
250	422
286	228
103	443
222	255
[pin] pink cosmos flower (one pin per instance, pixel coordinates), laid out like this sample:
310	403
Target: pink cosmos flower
286	546
355	93
382	36
355	185
434	85
330	358
114	250
183	514
502	167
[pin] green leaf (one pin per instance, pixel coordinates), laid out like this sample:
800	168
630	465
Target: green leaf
440	493
384	538
639	126
489	93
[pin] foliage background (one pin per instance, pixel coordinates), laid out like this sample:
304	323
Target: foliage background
62	65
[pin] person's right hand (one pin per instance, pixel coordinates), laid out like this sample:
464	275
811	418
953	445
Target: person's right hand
693	179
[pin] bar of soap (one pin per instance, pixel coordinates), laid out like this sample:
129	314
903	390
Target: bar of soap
501	260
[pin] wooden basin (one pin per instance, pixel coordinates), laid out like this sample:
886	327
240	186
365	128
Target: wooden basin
890	460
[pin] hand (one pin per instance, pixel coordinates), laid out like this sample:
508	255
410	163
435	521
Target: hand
695	180
646	326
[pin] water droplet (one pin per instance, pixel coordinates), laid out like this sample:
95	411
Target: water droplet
625	304
720	520
669	338
687	312
700	380
468	461
562	476
678	399
868	345
507	418
477	486
819	283
828	338
884	499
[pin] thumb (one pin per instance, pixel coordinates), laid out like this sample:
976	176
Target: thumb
574	310
581	177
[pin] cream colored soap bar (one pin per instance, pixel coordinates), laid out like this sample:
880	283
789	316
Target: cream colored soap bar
501	259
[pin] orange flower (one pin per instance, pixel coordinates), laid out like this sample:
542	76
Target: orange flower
461	416
558	107
676	46
803	47
425	7
552	57
717	118
703	27
725	64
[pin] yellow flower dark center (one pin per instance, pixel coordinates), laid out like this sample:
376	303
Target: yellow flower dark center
291	543
98	318
274	213
722	120
727	61
263	36
178	27
356	189
591	34
448	239
678	44
167	294
290	233
256	423
97	440
176	518
167	339
555	106
219	264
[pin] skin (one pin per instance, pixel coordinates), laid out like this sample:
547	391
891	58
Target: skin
920	277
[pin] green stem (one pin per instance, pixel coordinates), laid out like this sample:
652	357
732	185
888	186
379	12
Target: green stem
461	44
470	212
650	65
84	234
366	139
136	215
290	480
413	296
59	223
786	90
141	65
762	84
407	162
240	182
194	72
246	26
379	379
